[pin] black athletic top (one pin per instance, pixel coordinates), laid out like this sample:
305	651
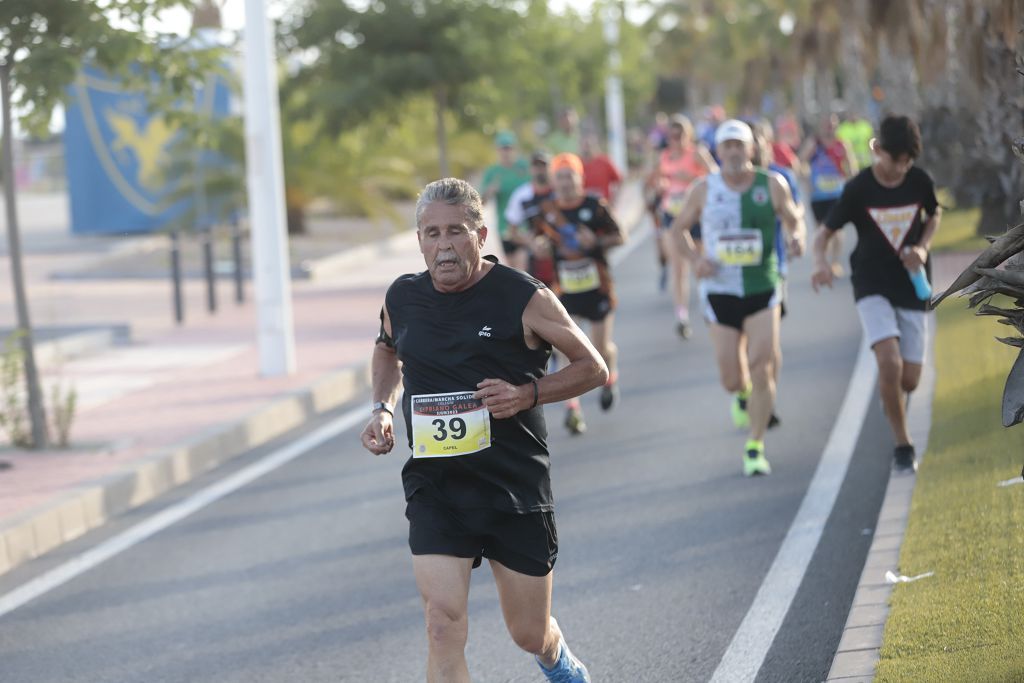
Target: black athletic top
887	219
451	342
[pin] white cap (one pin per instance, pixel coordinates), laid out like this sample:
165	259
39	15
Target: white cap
734	129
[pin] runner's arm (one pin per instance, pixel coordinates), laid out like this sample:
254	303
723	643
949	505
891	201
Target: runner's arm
930	226
791	215
610	233
693	204
850	160
706	160
546	320
378	436
914	257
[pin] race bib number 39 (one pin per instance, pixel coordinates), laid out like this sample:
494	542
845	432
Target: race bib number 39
741	248
448	425
577	277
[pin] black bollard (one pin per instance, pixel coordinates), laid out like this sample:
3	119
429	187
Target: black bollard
211	278
236	256
179	304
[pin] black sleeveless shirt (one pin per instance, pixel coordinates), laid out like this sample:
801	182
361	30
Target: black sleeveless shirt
451	342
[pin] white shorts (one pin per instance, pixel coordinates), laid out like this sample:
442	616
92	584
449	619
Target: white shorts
881	320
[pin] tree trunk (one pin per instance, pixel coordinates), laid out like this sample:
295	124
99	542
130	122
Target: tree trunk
856	83
37	413
441	106
899	80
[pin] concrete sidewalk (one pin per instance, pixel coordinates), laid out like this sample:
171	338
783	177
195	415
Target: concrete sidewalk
178	401
860	648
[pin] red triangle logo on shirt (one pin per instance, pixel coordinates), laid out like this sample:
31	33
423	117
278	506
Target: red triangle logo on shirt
895	222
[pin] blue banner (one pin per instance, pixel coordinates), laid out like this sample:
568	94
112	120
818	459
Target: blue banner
115	148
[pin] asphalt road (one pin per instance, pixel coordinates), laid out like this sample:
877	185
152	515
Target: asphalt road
304	575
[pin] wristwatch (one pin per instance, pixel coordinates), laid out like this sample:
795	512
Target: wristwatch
383	405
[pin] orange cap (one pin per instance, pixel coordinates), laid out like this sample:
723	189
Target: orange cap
566	160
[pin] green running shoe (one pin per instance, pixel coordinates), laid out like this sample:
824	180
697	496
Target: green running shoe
574	421
740	417
754	462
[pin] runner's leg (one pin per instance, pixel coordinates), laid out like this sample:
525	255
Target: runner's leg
911	376
679	277
726	341
601	336
526	605
890	381
443	582
762	332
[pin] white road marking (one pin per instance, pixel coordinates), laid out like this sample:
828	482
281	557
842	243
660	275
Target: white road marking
138	533
745	654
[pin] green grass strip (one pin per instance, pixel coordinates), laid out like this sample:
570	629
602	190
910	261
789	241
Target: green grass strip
956	232
966	623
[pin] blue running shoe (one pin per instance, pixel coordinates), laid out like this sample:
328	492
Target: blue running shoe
567	669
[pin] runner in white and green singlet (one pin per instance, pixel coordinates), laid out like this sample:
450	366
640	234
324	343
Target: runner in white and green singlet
738	268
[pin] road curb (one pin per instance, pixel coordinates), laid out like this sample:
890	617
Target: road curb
54	352
48	526
860	646
340	263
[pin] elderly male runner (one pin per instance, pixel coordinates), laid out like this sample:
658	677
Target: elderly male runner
470	338
738	267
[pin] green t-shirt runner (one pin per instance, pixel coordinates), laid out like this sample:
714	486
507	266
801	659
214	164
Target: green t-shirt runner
857	134
507	179
738	230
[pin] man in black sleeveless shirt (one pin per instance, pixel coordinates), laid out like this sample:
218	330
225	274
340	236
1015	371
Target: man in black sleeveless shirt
469	339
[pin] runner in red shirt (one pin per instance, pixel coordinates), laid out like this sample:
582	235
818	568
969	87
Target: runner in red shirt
600	176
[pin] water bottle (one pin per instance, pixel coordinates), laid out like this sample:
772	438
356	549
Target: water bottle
569	240
919	278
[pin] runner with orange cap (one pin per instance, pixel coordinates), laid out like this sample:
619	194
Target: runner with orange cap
582	229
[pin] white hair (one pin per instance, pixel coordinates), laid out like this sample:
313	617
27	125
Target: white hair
456	192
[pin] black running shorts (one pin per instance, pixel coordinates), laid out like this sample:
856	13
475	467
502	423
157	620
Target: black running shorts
821	209
525	543
731	311
593	306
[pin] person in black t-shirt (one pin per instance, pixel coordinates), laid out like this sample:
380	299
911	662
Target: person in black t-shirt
582	229
892	205
469	340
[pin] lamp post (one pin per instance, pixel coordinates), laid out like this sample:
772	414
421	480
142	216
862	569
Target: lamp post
271	270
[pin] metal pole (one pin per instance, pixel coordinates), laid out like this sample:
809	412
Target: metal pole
236	256
179	303
211	278
205	227
614	107
265	176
